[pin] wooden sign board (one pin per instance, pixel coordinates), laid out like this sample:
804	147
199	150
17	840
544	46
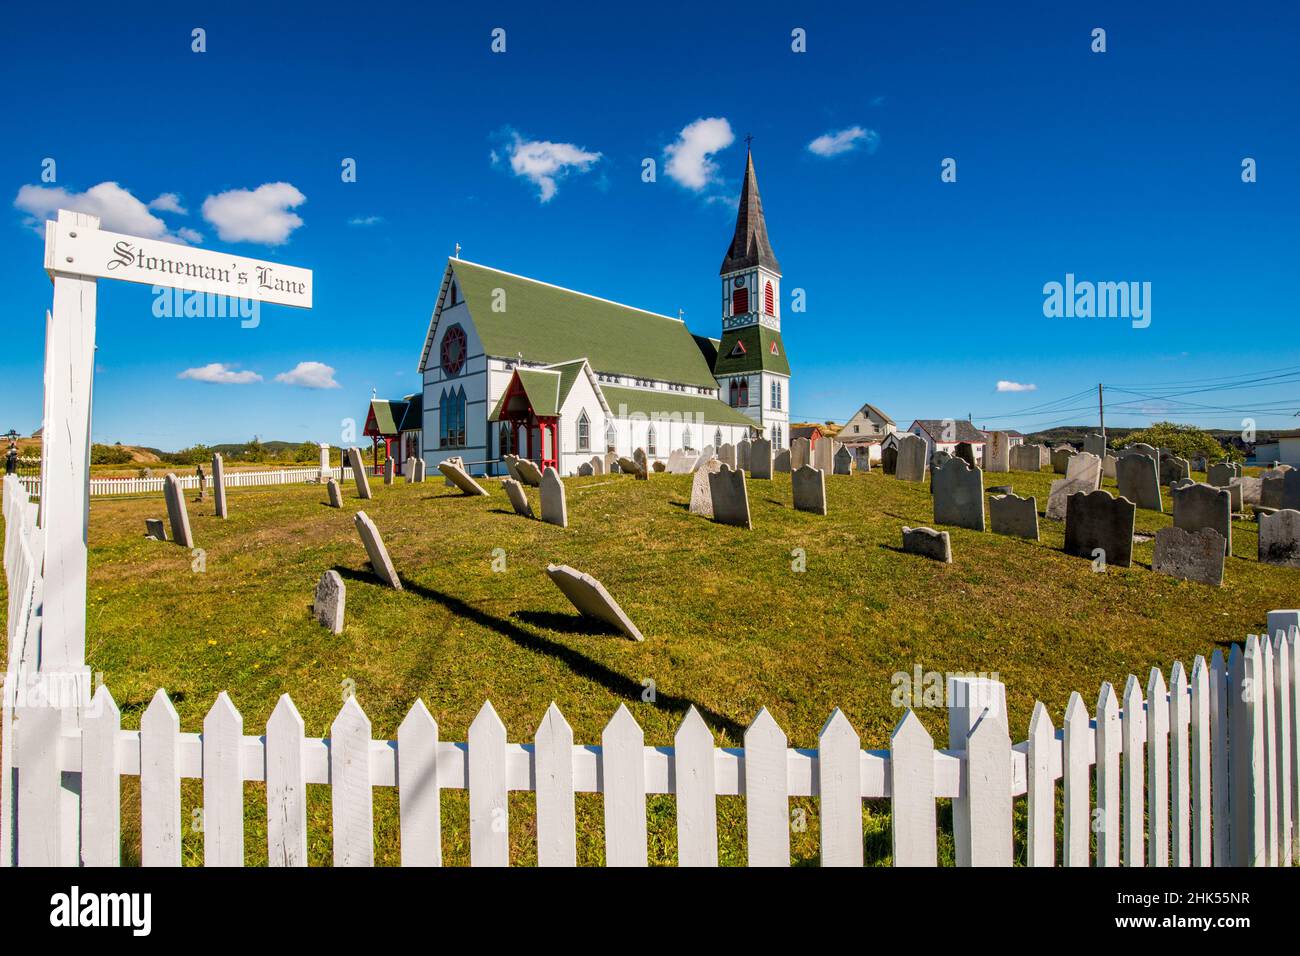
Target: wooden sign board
74	249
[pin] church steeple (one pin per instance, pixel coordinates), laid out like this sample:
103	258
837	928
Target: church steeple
750	246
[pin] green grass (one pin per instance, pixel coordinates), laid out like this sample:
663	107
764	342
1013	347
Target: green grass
729	626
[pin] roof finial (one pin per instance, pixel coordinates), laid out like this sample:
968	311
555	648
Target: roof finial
457	255
681	313
749	140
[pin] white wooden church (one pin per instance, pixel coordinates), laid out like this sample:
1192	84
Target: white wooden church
515	365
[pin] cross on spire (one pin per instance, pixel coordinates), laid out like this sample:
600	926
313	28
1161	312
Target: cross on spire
749	139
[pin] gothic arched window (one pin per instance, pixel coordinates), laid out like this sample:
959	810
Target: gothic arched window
650	441
451	419
584	432
735	393
687	440
744	394
717	438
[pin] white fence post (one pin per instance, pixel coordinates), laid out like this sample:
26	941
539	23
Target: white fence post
969	698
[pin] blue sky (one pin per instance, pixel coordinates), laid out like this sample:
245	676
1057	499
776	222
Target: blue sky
921	295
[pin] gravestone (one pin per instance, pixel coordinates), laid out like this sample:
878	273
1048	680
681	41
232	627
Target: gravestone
709	452
730	499
1095	444
597	464
1100	520
701	496
528	473
358	473
584	470
660	467
958	495
630	466
1180	483
591	599
203	485
518	497
155	529
727	455
1058	496
330	600
454	473
611	463
966	452
800	453
997	452
889	460
390	468
1108	467
642	462
408	469
928	543
1085	466
1198	506
937	460
554	509
809	487
999	490
219	485
1136	476
1013	515
1279	538
1291	489
324	461
1061	456
1026	458
1220	474
177	516
512	466
1172	469
843	462
380	562
743	448
1234	495
1271	486
1044	456
911	458
1200	463
419	470
781	462
1250	489
823	455
1190	555
760	458
1140	448
1260	510
335	493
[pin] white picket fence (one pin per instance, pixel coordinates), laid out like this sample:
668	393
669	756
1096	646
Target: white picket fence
100	487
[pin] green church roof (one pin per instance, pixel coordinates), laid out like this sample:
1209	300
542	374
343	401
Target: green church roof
648	402
757	342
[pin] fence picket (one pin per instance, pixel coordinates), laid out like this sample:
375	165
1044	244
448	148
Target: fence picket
697	810
1179	767
160	783
988	754
101	789
1282	700
223	785
1238	762
1251	758
911	787
418	791
839	783
1220	776
767	792
489	811
1108	803
351	799
1133	731
1293	652
1268	706
1076	760
286	787
556	814
1042	788
622	749
1157	728
38	793
1202	845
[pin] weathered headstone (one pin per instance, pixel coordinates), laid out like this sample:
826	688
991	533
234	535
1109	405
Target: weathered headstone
1291	489
809	487
1271	486
1095	444
335	493
219	485
843	462
730	498
330	601
324	460
1061	456
1220	474
611	464
528	472
390	469
177	516
1199	463
630	466
155	529
660	467
1136	476
702	457
1251	489
554	509
937	460
760	458
727	455
1190	555
823	455
1026	458
997	452
1108	467
358	473
928	543
911	458
642	462
781	461
1013	515
1234	495
1279	538
1100	521
1198	506
1085	466
959	495
1172	469
457	475
743	448
889	460
1059	495
408	469
419	470
966	452
518	497
800	453
1044	456
584	470
512	466
597	465
701	496
380	562
591	599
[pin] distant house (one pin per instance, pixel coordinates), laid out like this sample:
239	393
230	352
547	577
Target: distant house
864	434
398	425
1288	449
944	434
1014	437
1268	452
811	432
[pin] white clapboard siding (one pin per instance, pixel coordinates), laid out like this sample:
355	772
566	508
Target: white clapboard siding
1157	727
1180	775
556	815
1220	775
101	788
623	773
1043	749
1108	799
1201	734
489	812
1077	758
223	785
988	757
839	787
697	805
767	792
286	787
419	795
160	783
911	783
351	799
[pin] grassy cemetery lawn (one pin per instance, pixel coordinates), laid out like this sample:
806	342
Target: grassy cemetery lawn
730	626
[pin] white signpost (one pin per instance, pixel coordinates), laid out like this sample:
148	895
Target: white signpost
77	254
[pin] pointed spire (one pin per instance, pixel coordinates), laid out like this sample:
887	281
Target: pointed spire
750	246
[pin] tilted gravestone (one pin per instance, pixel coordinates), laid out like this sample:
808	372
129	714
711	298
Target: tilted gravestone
1059	495
329	601
1098	521
1026	458
457	475
359	473
219	485
928	543
518	497
730	498
1095	444
843	462
911	458
727	455
959	495
1220	474
1013	515
154	529
800	453
760	458
554	509
1061	456
177	516
889	460
966	452
591	599
1086	466
781	462
1198	506
528	473
1279	538
743	448
997	452
630	466
335	493
512	466
1190	555
1172	469
701	497
809	487
390	468
380	562
1138	482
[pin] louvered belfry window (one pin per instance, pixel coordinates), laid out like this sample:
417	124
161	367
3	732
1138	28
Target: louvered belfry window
769	300
740	302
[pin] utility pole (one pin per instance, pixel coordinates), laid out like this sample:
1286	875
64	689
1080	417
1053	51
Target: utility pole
1101	412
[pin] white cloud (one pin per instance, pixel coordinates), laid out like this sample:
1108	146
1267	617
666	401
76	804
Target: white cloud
118	210
1005	386
689	158
843	141
544	163
220	373
309	375
169	202
186	234
365	220
255	215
